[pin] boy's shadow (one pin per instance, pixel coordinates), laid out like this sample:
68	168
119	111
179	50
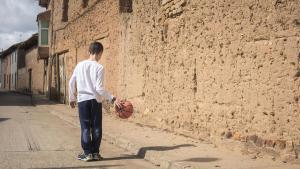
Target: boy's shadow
142	151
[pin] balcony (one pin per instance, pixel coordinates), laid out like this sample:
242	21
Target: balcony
43	38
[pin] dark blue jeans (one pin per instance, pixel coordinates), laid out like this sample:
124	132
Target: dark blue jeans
90	115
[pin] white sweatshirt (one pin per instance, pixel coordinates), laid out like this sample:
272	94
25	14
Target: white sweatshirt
89	76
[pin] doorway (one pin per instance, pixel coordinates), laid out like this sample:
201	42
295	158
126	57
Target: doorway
61	77
9	81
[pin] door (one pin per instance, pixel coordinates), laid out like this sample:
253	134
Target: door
4	83
9	81
62	78
16	81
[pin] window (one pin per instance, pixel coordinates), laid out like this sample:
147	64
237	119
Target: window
65	11
43	32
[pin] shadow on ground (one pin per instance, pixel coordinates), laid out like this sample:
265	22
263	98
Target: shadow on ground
3	119
94	166
204	159
142	152
43	100
11	98
124	157
14	99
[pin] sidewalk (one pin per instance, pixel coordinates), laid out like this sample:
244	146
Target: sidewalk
164	149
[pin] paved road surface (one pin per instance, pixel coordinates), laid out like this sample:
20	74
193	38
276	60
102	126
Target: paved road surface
33	138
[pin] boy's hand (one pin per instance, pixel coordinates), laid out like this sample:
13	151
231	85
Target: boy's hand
72	104
118	103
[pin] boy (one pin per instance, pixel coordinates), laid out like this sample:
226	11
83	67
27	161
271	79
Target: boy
88	75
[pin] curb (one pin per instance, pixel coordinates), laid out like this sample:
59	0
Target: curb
154	157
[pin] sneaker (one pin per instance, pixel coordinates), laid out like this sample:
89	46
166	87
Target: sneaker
85	157
97	157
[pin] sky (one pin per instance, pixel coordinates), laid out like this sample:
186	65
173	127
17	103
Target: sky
17	21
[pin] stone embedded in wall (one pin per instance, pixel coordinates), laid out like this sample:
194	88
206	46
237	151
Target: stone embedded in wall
280	144
297	73
173	8
252	138
164	2
270	143
260	142
280	3
228	134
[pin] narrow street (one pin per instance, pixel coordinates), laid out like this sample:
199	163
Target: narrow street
33	138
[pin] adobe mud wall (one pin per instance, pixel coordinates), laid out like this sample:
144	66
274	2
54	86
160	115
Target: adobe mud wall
211	69
37	73
206	69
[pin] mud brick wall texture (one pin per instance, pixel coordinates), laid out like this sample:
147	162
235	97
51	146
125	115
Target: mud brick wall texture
37	67
210	68
206	69
98	21
23	79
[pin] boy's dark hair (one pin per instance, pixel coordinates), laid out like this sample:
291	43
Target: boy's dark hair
95	48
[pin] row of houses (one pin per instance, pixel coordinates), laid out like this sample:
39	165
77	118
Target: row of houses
21	68
24	65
